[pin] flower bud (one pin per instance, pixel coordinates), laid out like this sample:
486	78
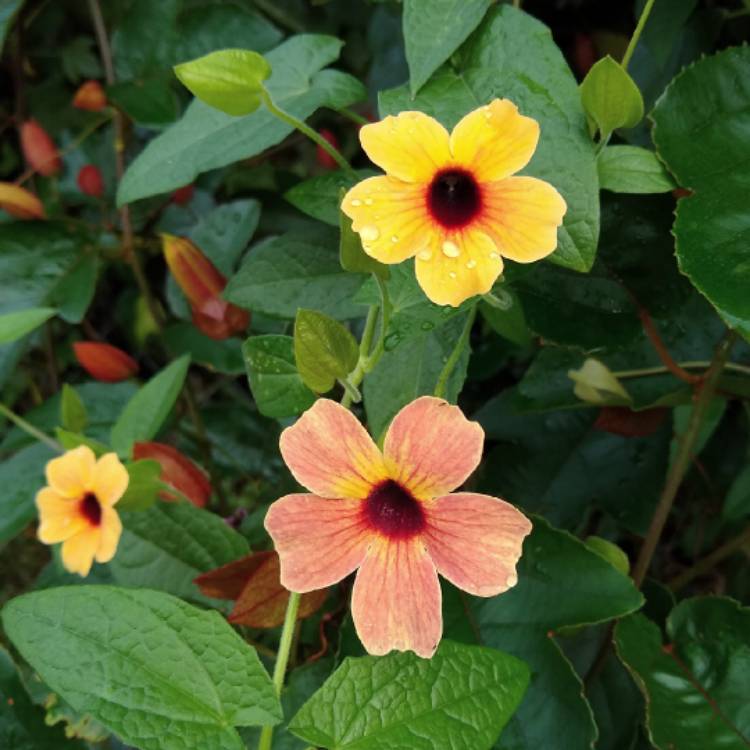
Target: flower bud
178	471
19	202
90	181
104	362
90	96
595	384
182	196
324	158
202	284
38	149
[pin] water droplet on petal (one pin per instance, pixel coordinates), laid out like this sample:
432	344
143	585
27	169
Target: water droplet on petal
369	233
424	254
511	580
368	201
494	256
451	249
471	264
356	202
394	238
452	274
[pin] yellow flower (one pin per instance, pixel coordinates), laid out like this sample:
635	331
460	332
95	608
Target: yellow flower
77	507
450	200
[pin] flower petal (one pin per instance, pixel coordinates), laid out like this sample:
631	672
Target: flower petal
522	215
319	541
390	216
494	141
78	551
59	517
110	479
110	530
396	602
475	541
71	474
411	146
457	266
330	452
431	448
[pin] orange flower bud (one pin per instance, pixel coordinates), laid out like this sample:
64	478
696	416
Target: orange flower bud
19	202
90	96
39	150
202	284
182	196
104	362
90	181
178	471
324	158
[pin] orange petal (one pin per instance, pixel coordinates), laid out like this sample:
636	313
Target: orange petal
110	479
177	470
78	551
104	361
59	517
110	530
458	265
475	541
390	216
19	202
39	149
494	141
198	278
90	96
319	541
330	452
71	475
431	448
396	602
522	215
411	146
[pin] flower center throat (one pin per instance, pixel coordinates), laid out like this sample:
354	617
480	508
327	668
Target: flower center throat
454	198
393	511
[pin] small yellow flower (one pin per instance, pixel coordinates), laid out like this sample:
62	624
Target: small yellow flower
77	507
450	200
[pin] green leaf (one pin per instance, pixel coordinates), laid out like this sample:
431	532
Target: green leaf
433	31
296	270
462	697
705	142
230	80
166	546
512	55
325	351
8	12
275	383
205	139
150	101
145	413
610	552
509	323
695	685
143	485
191	680
320	196
561	583
351	253
224	356
737	503
610	97
72	410
632	169
70	440
16	324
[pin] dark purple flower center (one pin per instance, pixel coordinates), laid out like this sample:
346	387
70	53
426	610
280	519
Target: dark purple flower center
393	511
454	198
91	509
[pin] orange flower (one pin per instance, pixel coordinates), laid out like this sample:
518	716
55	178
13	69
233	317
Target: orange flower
178	471
39	150
202	284
393	516
450	200
19	202
90	96
77	507
104	362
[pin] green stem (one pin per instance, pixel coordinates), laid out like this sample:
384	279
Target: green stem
358	373
282	659
660	370
463	340
313	135
30	429
682	460
637	33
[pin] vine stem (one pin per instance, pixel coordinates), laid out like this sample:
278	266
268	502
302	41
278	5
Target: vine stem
663	369
29	428
637	33
304	128
282	659
463	340
707	563
704	393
